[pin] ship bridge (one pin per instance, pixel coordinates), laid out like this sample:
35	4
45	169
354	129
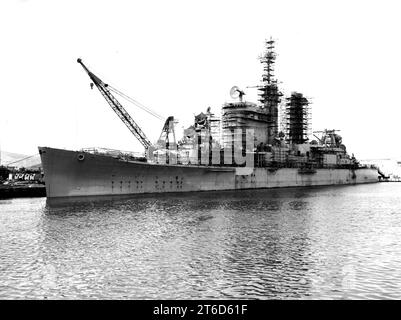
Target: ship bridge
244	115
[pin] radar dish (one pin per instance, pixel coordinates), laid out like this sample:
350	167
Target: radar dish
235	92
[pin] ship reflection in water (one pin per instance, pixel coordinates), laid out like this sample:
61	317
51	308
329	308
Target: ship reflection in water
326	242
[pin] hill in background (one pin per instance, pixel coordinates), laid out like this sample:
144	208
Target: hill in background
20	160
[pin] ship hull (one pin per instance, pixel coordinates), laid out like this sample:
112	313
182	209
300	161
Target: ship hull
72	173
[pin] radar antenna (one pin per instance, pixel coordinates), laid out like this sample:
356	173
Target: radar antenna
236	92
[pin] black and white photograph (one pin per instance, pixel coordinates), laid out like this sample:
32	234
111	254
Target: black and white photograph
200	151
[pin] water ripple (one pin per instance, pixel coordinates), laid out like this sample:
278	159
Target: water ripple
328	242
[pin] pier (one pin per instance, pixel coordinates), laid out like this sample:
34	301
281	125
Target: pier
22	191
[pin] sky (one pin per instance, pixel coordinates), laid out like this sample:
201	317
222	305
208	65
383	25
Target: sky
180	57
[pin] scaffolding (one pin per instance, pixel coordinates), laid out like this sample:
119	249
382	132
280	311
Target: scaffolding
297	112
237	117
215	129
282	120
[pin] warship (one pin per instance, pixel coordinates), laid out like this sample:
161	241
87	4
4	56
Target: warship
251	145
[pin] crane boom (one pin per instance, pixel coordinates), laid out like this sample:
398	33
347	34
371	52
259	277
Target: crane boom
118	108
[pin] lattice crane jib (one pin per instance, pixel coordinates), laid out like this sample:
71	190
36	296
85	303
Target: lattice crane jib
118	108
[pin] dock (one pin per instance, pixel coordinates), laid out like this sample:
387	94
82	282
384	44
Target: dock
22	191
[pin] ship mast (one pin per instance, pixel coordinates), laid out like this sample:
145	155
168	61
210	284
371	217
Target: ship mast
269	93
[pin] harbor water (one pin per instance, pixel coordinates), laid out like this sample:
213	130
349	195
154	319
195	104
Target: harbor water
294	243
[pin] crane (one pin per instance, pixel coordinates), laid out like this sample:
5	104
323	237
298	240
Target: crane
119	109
